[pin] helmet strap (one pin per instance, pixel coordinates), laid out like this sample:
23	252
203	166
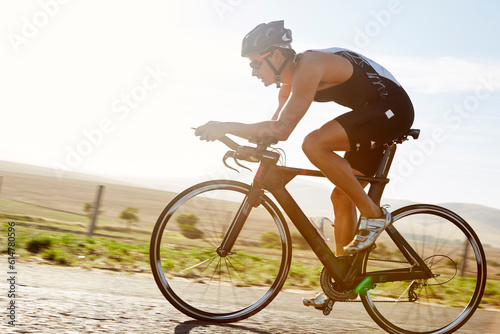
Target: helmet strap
277	73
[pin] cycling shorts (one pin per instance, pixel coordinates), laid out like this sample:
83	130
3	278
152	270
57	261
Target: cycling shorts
370	127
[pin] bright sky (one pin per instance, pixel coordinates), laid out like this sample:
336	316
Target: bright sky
113	87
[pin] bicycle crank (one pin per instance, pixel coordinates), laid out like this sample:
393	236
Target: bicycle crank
328	307
331	290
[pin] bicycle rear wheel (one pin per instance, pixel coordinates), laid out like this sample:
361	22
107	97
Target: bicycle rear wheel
452	251
199	282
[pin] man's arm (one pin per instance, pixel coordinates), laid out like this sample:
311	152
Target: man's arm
302	94
283	96
307	77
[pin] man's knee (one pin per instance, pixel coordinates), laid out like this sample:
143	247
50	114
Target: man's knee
310	143
340	200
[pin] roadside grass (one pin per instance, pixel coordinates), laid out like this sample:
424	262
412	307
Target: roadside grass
69	249
249	268
36	223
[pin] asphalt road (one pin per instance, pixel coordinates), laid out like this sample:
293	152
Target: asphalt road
53	299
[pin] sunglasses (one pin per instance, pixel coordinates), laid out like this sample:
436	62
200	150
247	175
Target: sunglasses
257	62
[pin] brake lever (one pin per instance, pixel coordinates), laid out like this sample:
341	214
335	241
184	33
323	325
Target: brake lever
232	154
236	161
229	154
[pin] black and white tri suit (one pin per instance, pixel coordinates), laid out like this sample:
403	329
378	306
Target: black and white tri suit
381	109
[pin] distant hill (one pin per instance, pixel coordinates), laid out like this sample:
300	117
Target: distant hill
15	167
40	186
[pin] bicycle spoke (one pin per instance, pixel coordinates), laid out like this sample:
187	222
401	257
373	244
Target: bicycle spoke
199	282
443	302
233	289
199	264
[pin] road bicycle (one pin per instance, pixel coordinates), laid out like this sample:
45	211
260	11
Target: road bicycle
221	251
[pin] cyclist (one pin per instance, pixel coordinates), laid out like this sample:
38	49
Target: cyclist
380	112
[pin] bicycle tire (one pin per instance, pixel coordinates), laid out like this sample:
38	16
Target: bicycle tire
211	287
443	303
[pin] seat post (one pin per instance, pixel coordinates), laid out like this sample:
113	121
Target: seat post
377	188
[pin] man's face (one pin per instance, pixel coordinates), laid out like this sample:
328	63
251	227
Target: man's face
261	69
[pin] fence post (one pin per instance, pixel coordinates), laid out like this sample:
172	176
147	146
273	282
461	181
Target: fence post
464	264
96	210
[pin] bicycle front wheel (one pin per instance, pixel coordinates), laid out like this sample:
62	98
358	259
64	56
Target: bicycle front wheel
201	283
451	250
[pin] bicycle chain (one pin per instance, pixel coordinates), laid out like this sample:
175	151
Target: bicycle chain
375	301
379	301
382	260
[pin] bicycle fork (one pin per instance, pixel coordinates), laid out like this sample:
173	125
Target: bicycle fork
252	199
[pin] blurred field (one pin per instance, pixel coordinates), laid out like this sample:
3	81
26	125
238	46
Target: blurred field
48	197
60	204
37	192
42	203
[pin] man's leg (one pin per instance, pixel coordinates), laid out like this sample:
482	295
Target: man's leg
345	229
346	218
319	147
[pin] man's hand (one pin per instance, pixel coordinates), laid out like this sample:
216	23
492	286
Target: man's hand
211	131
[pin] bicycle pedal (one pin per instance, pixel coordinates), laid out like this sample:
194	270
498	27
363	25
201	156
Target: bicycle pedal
319	301
328	307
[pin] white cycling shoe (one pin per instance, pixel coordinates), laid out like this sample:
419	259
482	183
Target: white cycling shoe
318	301
368	232
321	299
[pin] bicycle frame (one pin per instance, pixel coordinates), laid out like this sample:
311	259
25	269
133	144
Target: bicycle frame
274	178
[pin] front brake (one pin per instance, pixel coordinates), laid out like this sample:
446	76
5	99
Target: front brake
233	154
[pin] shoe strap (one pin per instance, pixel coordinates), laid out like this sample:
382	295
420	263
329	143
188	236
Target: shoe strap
360	238
371	223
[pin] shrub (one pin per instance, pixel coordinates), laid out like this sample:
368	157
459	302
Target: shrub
129	214
191	232
38	244
187	222
58	255
187	219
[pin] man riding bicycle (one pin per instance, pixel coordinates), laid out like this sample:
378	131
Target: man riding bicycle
380	112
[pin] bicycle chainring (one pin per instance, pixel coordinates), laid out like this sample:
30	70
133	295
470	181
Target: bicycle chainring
329	288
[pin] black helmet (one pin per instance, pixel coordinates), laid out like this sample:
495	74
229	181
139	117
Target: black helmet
264	36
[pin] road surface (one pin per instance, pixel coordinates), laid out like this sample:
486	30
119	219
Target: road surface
52	299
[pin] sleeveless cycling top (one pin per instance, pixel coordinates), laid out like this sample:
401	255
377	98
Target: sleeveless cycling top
369	82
